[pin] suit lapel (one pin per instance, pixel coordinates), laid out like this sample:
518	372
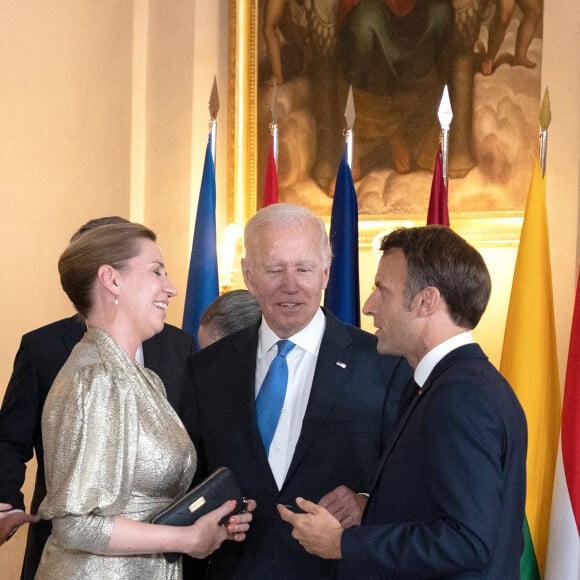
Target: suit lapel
329	379
242	400
467	351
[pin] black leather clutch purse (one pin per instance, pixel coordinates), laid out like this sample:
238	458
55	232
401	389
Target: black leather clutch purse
219	487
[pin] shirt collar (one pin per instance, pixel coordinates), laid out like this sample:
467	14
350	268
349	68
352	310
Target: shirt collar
307	339
428	362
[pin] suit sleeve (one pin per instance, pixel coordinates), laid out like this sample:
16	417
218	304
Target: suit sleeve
19	424
83	500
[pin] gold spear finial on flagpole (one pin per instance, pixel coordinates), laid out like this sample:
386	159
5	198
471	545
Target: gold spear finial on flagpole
274	122
349	115
545	119
445	115
214	107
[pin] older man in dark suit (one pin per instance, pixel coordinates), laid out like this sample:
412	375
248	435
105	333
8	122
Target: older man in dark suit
337	403
448	497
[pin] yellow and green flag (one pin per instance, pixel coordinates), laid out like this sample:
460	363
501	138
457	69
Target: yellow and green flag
530	364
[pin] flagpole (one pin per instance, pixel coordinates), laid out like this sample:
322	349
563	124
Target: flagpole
445	115
214	106
545	119
274	122
349	115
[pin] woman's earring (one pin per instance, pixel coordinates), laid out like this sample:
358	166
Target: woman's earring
116	300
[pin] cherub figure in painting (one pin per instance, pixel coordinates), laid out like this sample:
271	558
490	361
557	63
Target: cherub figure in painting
504	10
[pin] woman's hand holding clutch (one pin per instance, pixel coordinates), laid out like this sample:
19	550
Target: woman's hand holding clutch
209	534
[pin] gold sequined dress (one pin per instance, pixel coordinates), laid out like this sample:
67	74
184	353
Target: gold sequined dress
113	446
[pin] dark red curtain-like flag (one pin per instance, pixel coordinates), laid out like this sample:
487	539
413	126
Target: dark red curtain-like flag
438	211
271	181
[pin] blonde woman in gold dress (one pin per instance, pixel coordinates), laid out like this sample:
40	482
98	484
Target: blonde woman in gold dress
116	453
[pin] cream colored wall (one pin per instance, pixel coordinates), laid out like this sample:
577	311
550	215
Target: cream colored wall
65	107
103	110
178	91
96	119
561	74
65	115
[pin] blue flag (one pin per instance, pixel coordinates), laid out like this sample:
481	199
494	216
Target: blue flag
202	280
342	296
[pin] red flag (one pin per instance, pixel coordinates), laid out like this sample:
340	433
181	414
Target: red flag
571	415
271	181
438	212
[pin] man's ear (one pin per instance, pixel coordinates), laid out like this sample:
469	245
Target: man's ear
247	275
326	274
428	301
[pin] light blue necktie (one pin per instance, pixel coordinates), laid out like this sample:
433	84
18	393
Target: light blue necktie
272	393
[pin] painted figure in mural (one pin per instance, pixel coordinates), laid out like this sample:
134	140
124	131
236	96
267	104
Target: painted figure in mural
469	15
282	19
309	28
504	11
397	55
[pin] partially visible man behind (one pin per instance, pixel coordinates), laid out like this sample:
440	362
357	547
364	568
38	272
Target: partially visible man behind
41	354
448	497
338	401
228	313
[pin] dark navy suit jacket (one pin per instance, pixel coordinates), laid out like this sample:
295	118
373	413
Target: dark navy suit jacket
448	498
351	410
41	354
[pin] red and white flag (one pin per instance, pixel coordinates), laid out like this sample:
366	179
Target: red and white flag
563	559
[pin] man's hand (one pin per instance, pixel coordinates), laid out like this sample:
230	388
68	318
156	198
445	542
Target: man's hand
345	505
316	530
11	520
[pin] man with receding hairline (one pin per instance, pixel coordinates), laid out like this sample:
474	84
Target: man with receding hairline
338	399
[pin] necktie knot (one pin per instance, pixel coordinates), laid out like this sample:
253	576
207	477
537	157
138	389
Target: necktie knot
284	347
410	391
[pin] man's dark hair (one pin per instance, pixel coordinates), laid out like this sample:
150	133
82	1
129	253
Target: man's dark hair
437	256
